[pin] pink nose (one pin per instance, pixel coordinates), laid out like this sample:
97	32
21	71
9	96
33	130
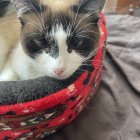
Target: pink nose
58	71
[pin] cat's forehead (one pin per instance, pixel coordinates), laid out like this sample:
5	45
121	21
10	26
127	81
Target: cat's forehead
57	5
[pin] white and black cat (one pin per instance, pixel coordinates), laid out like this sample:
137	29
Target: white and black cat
55	38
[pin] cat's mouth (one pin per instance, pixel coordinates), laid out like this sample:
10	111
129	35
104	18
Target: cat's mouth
62	77
65	75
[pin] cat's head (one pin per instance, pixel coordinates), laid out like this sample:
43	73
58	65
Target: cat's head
59	35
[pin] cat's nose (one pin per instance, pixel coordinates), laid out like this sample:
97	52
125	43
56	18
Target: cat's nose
58	71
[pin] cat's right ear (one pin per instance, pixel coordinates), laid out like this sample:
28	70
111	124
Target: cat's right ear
22	6
25	7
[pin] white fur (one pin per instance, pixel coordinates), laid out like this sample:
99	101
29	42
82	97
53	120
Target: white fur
4	49
20	66
6	73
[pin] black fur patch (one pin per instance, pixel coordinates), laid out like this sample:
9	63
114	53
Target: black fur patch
31	47
83	43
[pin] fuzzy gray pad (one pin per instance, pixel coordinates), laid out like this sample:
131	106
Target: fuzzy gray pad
23	91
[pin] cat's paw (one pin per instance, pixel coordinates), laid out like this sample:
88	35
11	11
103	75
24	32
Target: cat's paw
8	74
8	78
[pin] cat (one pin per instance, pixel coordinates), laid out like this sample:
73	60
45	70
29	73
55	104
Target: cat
49	38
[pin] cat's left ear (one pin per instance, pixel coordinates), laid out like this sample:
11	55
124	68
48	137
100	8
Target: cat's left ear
93	7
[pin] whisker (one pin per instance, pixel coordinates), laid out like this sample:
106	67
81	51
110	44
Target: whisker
106	60
39	23
85	37
42	14
77	11
89	32
85	70
36	15
86	16
93	54
90	55
30	35
86	26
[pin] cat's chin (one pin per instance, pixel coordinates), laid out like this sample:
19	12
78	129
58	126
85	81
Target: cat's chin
62	77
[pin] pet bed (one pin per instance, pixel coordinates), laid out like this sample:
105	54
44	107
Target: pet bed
36	108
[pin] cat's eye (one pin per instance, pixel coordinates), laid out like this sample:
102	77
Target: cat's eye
76	43
40	42
80	42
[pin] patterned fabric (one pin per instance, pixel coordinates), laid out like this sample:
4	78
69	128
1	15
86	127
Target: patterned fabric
40	118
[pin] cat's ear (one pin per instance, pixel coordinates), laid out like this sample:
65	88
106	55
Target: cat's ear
25	7
93	7
22	6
